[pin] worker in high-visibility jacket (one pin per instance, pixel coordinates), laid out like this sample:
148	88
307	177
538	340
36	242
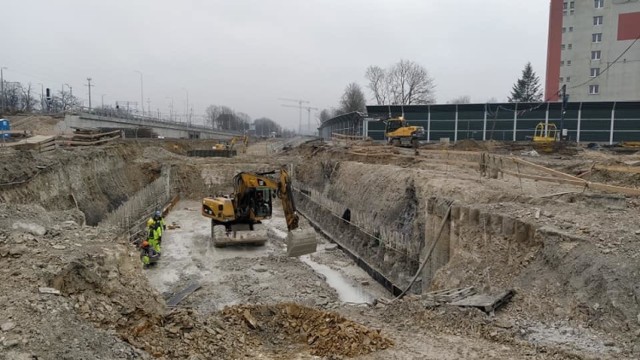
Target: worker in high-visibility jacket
148	254
157	217
153	235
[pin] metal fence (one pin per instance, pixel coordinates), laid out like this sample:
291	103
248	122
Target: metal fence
131	216
608	122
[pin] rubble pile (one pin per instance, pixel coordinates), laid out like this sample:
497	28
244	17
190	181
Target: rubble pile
326	333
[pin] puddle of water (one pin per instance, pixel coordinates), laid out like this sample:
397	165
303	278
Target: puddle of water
348	292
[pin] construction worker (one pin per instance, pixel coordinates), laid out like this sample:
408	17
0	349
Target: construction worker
157	217
153	235
148	254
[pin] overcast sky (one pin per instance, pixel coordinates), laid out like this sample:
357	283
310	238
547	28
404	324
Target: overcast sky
248	53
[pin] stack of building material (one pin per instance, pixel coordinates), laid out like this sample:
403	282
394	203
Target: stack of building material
39	143
89	137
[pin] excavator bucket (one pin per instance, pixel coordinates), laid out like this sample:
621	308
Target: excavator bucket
301	242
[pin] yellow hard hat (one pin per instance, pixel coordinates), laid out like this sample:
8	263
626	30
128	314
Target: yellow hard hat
150	222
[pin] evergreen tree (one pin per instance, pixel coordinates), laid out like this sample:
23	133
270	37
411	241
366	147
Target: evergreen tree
527	88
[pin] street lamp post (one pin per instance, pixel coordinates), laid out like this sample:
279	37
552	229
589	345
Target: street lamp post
141	92
170	109
2	89
187	115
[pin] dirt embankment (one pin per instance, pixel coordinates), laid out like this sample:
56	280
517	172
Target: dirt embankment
94	180
573	262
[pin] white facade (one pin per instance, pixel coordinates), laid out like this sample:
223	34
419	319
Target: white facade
590	47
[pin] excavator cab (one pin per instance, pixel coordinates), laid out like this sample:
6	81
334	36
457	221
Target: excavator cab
545	133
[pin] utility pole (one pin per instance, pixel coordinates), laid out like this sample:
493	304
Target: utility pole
2	89
41	96
170	109
300	102
103	100
565	99
89	86
186	112
141	92
149	106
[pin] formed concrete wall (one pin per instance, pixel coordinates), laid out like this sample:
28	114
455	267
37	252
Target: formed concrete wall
167	130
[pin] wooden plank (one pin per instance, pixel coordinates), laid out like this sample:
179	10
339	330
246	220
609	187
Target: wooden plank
546	169
486	302
92	136
582	183
623	169
449	295
183	294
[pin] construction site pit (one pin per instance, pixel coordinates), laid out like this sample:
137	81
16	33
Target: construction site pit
465	251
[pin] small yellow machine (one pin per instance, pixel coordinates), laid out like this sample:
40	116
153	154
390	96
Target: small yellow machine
545	134
231	144
250	203
399	133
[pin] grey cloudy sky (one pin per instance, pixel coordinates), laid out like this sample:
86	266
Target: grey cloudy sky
248	53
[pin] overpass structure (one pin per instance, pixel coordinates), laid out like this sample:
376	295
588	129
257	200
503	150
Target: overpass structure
138	126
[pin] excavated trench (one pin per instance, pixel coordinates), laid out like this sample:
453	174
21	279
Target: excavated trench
384	217
387	217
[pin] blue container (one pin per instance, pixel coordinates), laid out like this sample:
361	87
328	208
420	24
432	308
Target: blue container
4	125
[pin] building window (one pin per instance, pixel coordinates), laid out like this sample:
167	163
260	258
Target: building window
561	79
568	78
568	62
599	4
594	89
596	38
562	63
563	46
570	28
564	12
595	55
571	12
597	20
595	72
565	6
572	5
564	30
570	46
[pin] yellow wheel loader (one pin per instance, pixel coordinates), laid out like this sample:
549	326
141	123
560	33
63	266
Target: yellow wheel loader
250	203
399	133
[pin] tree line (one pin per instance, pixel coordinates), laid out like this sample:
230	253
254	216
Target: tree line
409	83
17	97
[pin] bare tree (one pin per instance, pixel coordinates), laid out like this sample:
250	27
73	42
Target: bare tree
464	99
411	84
265	126
492	100
28	101
404	83
325	115
378	84
352	99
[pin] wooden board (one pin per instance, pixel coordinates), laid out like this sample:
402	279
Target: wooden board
485	302
182	294
449	295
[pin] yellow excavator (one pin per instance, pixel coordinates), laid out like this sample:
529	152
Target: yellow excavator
545	133
399	133
230	145
250	203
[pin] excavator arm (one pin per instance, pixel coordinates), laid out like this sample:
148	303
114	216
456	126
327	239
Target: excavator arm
285	195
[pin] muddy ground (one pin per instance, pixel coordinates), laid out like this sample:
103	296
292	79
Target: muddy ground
72	290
